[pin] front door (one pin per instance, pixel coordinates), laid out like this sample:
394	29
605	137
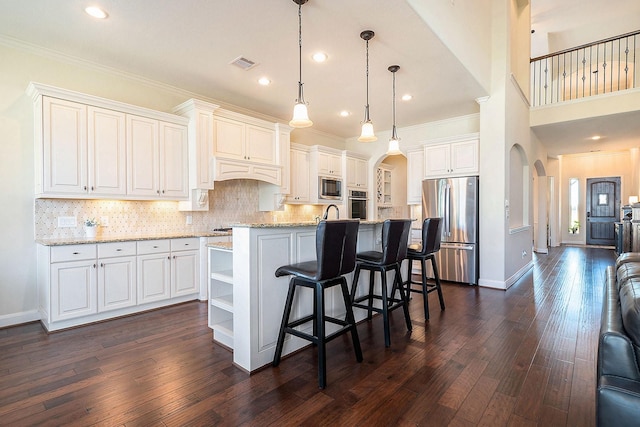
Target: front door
603	210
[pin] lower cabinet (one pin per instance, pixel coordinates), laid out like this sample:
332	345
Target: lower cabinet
79	284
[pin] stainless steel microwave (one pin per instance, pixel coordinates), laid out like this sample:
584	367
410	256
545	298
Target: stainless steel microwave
329	188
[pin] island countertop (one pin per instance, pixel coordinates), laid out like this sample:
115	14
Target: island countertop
294	224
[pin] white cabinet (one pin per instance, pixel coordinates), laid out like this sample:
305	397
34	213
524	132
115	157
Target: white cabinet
300	179
73	282
415	175
82	149
158	159
383	186
451	159
90	147
356	172
185	266
116	275
107	156
79	284
329	164
236	140
221	294
154	270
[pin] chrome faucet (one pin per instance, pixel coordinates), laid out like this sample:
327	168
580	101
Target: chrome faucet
326	212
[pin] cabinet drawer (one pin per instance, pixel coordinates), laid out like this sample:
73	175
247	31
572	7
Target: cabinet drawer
72	252
153	246
185	244
109	250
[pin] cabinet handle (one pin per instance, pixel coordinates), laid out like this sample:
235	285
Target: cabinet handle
118	250
162	191
92	188
169	257
155	247
158	191
174	257
85	188
94	266
76	253
102	264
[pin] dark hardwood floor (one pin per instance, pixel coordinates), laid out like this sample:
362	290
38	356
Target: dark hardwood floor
521	357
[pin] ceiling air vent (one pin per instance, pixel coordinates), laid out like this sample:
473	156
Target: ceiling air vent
243	63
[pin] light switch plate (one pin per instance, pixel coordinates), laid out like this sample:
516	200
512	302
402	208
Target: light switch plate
67	221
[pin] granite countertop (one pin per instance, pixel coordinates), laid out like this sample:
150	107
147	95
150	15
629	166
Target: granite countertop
129	237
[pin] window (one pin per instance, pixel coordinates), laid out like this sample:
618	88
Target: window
574	199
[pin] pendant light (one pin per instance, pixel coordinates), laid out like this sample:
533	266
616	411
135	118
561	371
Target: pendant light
394	141
367	134
300	115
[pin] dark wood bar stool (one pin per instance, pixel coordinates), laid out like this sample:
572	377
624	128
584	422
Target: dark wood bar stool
426	250
335	256
395	237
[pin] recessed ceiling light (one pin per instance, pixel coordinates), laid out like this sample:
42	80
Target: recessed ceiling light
320	57
345	113
264	81
596	137
96	12
407	97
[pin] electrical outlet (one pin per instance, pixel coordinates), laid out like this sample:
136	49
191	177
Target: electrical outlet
104	221
67	221
189	219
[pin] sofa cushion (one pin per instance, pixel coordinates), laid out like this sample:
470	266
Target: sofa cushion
627	257
627	271
630	308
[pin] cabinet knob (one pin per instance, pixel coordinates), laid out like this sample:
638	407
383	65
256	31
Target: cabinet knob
84	188
94	266
158	191
162	191
92	188
101	264
169	257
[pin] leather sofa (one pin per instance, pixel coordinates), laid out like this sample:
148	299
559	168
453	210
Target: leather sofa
618	375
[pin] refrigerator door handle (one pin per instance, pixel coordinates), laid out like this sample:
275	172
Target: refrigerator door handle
447	210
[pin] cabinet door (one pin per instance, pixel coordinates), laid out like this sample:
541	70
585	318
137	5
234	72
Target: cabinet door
174	161
352	178
153	277
464	157
415	175
229	138
185	273
335	165
116	283
143	156
437	160
65	146
261	145
107	152
329	164
73	289
300	177
357	173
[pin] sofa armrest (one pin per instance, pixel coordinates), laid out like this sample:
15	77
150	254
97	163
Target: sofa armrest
616	354
618	402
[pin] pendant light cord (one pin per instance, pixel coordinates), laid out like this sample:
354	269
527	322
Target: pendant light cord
366	119
300	96
393	133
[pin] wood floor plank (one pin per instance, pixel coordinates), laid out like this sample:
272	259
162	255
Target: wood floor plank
525	356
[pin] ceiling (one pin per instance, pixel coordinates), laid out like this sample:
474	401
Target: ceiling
190	44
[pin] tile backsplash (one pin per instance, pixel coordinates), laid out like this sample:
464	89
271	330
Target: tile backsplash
234	201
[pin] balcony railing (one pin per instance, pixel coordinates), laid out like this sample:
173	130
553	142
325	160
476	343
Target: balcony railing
592	69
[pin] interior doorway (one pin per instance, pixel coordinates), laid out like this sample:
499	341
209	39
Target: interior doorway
603	210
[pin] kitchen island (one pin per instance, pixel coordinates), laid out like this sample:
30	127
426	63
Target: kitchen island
247	300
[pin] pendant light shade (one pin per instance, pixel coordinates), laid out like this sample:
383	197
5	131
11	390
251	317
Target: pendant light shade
367	134
394	141
300	115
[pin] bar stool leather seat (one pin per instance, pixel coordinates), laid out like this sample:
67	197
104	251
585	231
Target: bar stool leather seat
335	256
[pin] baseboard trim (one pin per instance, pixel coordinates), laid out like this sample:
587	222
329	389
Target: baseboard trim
15	319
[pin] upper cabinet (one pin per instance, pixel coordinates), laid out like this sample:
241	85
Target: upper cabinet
356	172
90	147
246	147
415	175
300	178
456	158
327	161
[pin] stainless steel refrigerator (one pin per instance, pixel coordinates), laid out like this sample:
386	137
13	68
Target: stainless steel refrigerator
455	200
